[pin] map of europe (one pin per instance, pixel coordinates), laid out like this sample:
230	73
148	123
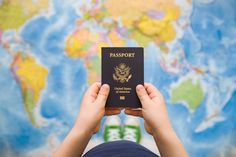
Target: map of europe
50	52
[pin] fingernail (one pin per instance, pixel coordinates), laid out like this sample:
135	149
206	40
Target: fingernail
105	86
139	87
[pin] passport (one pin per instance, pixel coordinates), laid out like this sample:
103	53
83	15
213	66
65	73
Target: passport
122	70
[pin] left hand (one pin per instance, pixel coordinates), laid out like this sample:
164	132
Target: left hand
93	108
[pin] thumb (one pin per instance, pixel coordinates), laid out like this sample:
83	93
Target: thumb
142	94
103	94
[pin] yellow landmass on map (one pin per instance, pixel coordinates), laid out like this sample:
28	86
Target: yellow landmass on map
14	13
78	44
144	21
134	16
32	78
134	9
86	45
153	28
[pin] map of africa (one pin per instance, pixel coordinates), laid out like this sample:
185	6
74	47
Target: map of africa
50	54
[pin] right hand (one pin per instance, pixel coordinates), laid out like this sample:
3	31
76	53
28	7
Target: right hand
153	109
93	108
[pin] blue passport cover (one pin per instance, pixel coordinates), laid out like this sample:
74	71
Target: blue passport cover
122	70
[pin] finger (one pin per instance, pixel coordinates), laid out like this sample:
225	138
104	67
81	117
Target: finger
152	90
92	91
103	94
131	112
142	94
112	112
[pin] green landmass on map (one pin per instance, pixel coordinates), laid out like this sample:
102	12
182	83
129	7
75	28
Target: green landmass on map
189	92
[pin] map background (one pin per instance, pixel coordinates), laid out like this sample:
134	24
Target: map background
208	42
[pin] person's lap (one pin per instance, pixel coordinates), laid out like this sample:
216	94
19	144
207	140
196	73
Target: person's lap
120	148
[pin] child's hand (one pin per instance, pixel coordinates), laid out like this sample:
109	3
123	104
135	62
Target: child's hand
93	108
153	109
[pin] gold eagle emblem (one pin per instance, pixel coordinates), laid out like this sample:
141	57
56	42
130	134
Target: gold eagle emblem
122	73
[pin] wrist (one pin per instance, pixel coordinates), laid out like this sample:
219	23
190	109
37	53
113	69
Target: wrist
80	131
84	124
82	128
164	133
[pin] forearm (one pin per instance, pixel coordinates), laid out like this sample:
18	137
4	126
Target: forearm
169	144
74	144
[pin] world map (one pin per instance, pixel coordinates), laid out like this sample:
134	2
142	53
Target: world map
50	52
